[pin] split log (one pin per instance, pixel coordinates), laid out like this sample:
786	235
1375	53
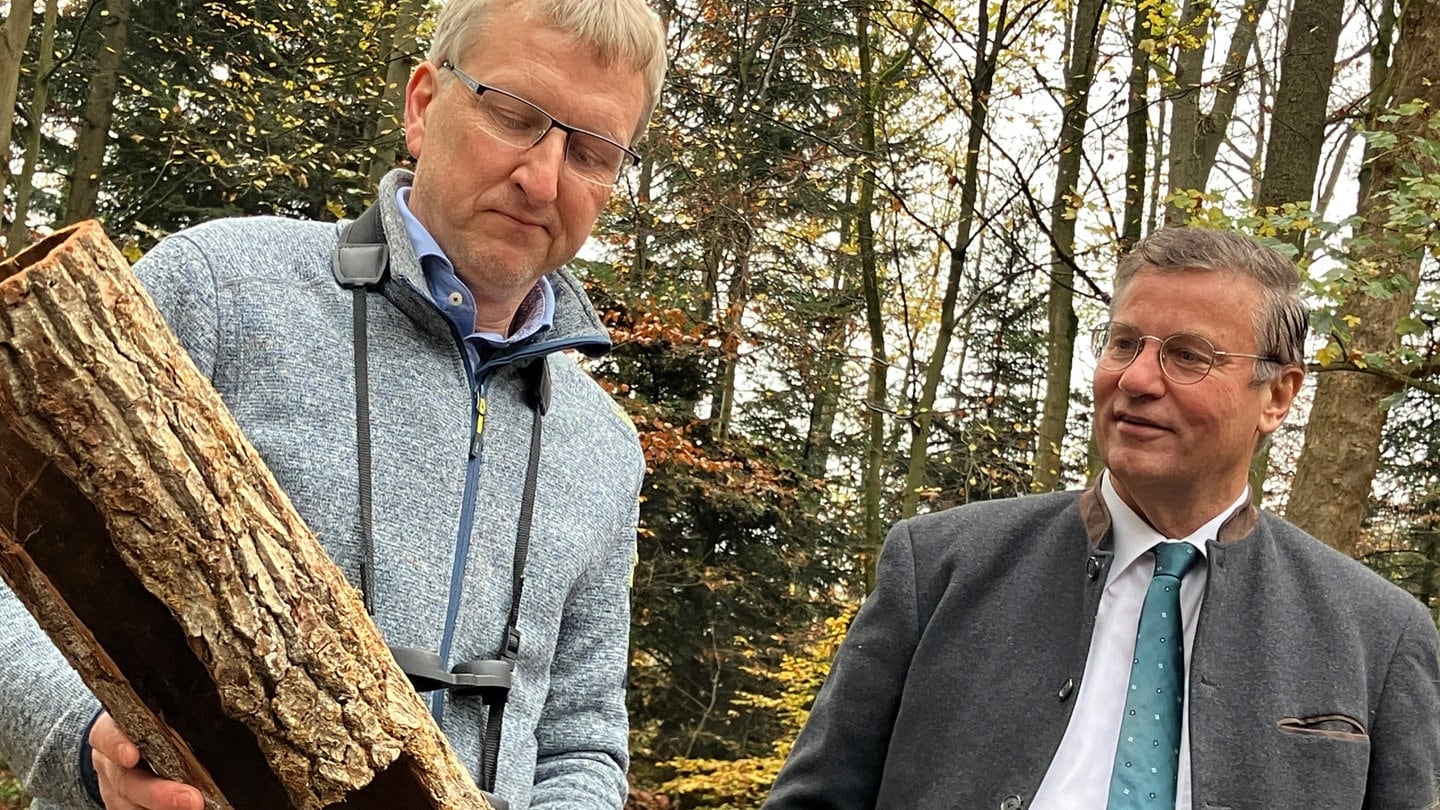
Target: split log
150	541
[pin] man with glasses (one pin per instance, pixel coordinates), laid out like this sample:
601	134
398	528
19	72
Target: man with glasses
1152	642
430	333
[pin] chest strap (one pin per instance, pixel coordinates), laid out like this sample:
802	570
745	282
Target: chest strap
361	264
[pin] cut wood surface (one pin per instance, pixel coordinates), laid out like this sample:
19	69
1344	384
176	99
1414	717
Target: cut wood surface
149	540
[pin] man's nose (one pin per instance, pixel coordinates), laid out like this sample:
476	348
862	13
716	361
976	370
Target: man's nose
1145	374
540	166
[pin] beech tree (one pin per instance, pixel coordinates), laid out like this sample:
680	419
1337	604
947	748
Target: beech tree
1333	478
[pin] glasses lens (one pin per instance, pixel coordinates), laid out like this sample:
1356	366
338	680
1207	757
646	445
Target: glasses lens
595	158
1188	358
512	120
1115	345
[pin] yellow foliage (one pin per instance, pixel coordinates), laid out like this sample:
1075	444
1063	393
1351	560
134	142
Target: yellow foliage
743	783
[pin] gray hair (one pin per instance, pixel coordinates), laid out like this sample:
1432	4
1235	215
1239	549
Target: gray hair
1282	321
623	32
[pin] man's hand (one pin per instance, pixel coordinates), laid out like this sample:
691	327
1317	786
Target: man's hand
124	783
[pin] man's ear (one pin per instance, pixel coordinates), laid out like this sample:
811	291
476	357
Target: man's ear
424	84
1279	395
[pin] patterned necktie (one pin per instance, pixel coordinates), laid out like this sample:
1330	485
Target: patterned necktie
1147	758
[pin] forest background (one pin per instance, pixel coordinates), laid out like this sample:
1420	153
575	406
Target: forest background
852	278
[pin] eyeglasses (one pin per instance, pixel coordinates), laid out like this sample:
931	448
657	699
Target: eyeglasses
1184	358
593	158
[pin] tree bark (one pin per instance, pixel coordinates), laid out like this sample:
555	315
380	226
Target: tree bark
19	234
1195	136
149	540
1137	121
404	45
1341	453
1063	325
1297	133
12	52
95	116
872	480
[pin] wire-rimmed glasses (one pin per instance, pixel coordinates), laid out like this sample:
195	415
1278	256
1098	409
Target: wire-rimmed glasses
1185	359
591	157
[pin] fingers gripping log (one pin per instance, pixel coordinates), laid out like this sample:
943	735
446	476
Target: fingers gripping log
149	540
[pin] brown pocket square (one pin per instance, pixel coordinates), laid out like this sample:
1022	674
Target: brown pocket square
1339	726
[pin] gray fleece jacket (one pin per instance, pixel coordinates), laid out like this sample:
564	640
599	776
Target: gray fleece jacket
255	304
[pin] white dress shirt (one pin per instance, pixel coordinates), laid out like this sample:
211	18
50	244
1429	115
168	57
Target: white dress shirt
1079	775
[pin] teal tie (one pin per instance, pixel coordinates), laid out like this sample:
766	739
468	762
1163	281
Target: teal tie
1147	758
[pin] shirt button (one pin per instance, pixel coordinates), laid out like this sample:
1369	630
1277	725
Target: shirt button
456	299
1011	803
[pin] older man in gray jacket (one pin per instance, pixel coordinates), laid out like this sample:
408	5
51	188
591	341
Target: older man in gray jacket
464	330
1153	642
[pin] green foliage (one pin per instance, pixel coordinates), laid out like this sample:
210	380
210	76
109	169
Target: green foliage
730	546
1409	213
12	797
1403	526
790	689
259	106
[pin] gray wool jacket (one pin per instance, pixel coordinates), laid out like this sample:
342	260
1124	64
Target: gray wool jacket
1314	683
254	302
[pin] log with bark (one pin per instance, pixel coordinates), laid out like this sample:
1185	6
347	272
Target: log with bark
150	541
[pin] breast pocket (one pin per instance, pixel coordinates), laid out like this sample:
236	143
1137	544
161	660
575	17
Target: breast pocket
1327	756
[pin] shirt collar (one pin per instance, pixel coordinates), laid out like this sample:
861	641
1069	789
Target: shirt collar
1133	536
536	312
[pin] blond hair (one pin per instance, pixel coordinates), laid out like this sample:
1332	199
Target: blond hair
621	32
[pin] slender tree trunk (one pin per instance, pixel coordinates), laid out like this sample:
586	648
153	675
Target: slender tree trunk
1196	136
732	327
1297	126
1337	464
824	376
873	478
990	44
404	45
13	38
19	233
1137	135
1079	75
95	116
1185	104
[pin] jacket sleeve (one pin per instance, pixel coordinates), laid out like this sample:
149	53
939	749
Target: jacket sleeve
44	709
1405	728
839	758
582	740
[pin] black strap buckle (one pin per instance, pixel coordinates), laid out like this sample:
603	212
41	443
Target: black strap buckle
485	678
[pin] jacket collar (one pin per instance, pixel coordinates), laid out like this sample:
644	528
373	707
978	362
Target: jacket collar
1096	518
576	325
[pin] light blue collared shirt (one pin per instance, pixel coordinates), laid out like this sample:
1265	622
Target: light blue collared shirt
536	312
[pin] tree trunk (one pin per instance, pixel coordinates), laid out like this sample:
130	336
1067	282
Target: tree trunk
95	115
19	233
991	43
12	52
1137	120
387	133
1342	441
1195	136
873	477
1079	75
151	543
1297	129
